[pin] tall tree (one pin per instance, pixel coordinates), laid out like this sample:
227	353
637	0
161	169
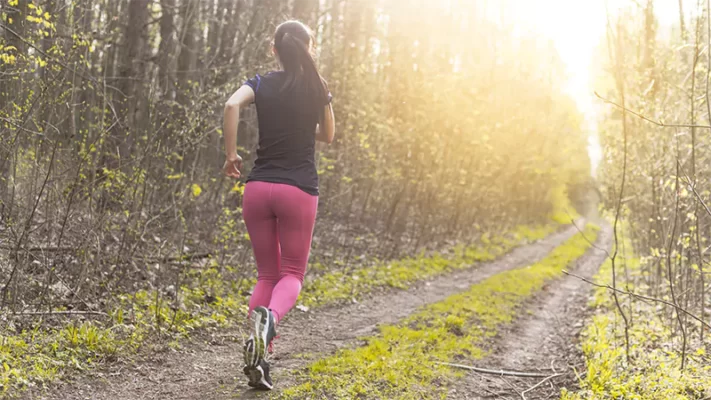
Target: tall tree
166	49
11	89
130	66
187	60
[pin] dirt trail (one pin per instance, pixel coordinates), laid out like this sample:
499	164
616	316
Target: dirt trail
544	340
210	370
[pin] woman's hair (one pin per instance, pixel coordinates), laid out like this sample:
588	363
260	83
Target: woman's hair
292	41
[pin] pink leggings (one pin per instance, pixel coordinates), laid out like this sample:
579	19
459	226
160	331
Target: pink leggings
280	220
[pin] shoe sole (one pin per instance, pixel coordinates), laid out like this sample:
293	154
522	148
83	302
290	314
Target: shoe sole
261	329
250	355
256	378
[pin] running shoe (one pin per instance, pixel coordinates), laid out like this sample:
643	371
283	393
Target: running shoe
250	352
264	330
259	376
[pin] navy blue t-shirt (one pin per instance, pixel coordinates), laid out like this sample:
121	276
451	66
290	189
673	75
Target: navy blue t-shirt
287	134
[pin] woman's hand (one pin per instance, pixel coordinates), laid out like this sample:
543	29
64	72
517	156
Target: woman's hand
233	166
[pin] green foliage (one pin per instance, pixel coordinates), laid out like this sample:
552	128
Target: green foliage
562	210
653	371
36	357
401	362
653	374
659	182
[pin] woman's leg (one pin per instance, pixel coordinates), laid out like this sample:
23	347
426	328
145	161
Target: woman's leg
262	227
296	211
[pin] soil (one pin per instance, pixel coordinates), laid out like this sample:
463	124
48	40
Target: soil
209	368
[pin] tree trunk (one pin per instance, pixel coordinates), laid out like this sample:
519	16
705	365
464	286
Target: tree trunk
9	90
215	14
231	23
187	60
681	21
130	58
166	49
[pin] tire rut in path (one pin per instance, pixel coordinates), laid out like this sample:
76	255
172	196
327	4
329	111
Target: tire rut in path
544	339
212	370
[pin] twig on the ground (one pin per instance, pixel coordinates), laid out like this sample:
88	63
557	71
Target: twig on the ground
523	394
502	391
22	313
500	372
511	385
166	259
643	297
184	257
42	249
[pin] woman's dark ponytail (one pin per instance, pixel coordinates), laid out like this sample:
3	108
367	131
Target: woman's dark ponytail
292	41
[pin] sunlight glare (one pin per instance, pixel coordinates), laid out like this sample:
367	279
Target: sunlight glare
576	27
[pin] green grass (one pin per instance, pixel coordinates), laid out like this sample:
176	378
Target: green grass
40	354
341	286
654	370
401	362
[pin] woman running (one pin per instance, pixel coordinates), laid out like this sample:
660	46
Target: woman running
281	195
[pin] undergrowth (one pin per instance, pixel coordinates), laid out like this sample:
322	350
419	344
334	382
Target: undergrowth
402	361
38	355
32	354
654	369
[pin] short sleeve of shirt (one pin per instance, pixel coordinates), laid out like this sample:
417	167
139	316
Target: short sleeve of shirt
254	83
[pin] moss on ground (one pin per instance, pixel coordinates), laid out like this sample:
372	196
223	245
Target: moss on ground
402	361
37	354
654	371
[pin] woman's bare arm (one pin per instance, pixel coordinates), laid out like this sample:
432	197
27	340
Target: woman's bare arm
327	126
242	97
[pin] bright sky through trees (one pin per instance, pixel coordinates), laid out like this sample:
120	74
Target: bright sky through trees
576	28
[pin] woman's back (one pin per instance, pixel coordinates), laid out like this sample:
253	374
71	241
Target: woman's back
287	126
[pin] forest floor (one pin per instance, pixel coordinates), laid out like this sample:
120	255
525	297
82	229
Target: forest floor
542	338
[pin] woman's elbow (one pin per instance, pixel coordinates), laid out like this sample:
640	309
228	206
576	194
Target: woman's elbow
232	105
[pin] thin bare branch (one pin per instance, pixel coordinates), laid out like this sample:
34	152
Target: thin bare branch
658	123
640	296
580	231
